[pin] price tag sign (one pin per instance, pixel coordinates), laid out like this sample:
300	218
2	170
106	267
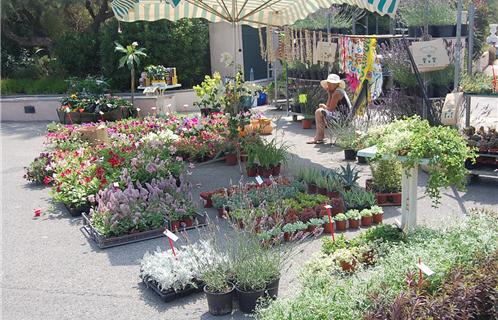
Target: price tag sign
116	184
170	235
259	180
425	269
328	207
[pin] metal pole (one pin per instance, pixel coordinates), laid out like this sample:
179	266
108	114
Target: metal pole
376	24
354	23
472	10
329	17
366	23
426	17
287	87
458	46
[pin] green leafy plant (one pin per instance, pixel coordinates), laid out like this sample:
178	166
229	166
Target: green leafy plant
358	198
415	140
476	83
340	217
366	213
348	176
386	176
216	278
354	214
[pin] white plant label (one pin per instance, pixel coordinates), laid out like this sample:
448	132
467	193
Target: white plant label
170	235
116	185
101	113
425	269
153	108
328	206
259	180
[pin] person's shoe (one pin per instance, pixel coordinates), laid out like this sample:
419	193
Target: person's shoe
315	142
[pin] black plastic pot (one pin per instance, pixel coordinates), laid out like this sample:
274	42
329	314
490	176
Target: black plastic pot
272	288
361	160
249	299
442	31
296	107
415	32
219	303
349	154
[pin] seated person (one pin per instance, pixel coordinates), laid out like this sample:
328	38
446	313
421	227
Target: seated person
337	105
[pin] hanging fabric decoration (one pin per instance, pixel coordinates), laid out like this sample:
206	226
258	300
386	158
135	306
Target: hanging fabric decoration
309	52
345	54
320	38
315	60
301	44
269	44
288	44
363	69
377	80
293	42
262	46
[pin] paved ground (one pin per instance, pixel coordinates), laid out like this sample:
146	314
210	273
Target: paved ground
51	271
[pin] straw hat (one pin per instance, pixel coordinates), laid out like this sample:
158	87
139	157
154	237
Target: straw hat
333	78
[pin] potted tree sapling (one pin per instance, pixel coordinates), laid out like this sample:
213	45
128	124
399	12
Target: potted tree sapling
366	217
219	291
340	222
377	213
354	218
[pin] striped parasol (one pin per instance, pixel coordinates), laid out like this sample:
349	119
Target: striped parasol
251	12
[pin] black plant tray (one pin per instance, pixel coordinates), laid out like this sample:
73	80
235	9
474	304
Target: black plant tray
104	242
170	295
76	212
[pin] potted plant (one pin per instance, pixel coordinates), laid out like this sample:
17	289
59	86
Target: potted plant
219	291
314	223
309	99
327	225
334	186
348	177
322	184
359	199
354	218
340	221
377	214
366	217
386	181
346	140
230	153
311	178
345	259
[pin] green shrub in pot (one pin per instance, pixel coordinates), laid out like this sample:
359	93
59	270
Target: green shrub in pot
386	175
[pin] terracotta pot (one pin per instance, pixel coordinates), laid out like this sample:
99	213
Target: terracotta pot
231	159
208	203
322	191
312	188
354	224
333	194
243	157
366	221
175	225
340	225
276	170
388	199
377	218
188	222
327	228
347	267
307	123
252	171
287	236
265	172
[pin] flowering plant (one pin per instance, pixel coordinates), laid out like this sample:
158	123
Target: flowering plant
138	207
40	170
211	92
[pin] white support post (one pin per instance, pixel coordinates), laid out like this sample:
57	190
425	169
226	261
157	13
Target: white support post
404	197
412	206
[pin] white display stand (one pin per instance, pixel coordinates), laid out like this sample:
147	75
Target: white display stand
165	103
409	182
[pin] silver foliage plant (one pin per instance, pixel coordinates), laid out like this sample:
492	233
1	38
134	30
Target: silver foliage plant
172	273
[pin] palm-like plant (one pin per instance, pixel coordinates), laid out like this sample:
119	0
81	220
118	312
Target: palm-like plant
131	57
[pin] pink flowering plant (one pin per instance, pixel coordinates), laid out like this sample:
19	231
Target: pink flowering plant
140	207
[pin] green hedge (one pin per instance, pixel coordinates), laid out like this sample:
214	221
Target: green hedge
46	85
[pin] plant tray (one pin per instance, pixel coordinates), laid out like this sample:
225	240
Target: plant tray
201	222
76	212
170	295
104	242
388	199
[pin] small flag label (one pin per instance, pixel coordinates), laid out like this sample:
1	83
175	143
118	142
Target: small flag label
170	235
425	269
259	180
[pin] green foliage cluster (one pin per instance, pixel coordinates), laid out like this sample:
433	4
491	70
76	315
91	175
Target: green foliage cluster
328	294
45	85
